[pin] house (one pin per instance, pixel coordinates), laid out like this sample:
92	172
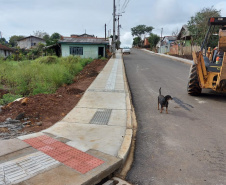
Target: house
185	36
165	44
146	43
30	42
85	46
185	46
5	51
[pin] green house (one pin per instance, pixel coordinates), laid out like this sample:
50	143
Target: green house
85	46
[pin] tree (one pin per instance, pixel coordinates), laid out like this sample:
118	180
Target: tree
3	41
13	40
175	32
137	41
153	40
53	39
198	26
141	31
40	34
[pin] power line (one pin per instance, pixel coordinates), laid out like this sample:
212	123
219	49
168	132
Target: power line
109	21
126	2
123	6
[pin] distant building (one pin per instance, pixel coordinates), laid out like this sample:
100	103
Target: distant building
83	35
166	42
185	36
146	42
85	46
30	42
5	51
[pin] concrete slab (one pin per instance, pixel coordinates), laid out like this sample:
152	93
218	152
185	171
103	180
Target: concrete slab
79	115
84	116
17	154
30	136
11	145
103	100
118	118
107	139
65	175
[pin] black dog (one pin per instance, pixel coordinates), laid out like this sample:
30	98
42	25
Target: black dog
163	101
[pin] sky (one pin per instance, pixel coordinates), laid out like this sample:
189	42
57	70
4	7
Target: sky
24	17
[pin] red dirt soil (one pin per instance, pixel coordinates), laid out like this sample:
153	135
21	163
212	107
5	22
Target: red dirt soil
50	108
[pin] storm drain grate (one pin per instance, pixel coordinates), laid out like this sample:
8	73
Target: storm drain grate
25	167
101	117
112	78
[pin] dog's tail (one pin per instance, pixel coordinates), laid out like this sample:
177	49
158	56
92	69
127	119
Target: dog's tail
160	91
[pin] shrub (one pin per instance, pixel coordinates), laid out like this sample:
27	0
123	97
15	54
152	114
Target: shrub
7	98
47	60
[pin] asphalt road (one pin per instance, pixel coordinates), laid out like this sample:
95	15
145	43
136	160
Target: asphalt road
186	146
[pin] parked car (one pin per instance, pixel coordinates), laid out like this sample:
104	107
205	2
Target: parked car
126	50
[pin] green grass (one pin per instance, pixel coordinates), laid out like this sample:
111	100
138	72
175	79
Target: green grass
7	98
43	75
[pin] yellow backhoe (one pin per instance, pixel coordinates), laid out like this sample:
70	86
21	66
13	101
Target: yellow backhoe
209	68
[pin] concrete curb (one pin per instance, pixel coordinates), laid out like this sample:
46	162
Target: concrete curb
190	62
125	147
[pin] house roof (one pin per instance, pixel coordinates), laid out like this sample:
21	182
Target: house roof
184	32
30	37
84	40
171	38
2	47
83	35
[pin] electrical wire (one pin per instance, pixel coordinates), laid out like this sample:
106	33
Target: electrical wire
126	2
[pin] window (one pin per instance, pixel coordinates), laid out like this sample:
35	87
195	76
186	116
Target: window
33	44
76	50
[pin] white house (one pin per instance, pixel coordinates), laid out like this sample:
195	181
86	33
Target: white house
5	51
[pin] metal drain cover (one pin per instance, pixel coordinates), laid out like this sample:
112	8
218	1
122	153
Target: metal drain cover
101	117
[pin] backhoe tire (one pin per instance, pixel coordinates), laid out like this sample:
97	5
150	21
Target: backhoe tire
193	87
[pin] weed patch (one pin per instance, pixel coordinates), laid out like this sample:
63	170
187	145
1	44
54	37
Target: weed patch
41	76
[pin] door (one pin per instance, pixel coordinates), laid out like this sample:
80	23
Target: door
100	52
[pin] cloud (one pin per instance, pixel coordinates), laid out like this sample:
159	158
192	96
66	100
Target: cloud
126	39
170	11
221	6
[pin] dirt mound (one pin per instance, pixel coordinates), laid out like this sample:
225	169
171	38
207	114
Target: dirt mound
74	91
43	110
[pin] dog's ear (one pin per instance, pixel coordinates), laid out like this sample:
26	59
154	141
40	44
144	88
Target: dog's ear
168	97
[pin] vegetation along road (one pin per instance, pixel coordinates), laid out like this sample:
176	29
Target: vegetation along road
186	146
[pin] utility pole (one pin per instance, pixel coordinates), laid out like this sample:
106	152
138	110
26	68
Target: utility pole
113	41
105	30
161	41
118	30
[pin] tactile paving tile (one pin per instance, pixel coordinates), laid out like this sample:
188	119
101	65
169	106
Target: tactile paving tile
106	90
112	78
101	117
72	157
23	168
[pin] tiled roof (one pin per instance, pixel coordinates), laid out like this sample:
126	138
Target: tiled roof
30	37
84	40
2	47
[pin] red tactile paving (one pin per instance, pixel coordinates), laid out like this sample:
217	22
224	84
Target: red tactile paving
72	157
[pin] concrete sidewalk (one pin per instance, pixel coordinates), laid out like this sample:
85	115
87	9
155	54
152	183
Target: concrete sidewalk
172	57
87	145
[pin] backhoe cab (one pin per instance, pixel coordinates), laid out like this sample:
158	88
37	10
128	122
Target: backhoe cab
209	68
